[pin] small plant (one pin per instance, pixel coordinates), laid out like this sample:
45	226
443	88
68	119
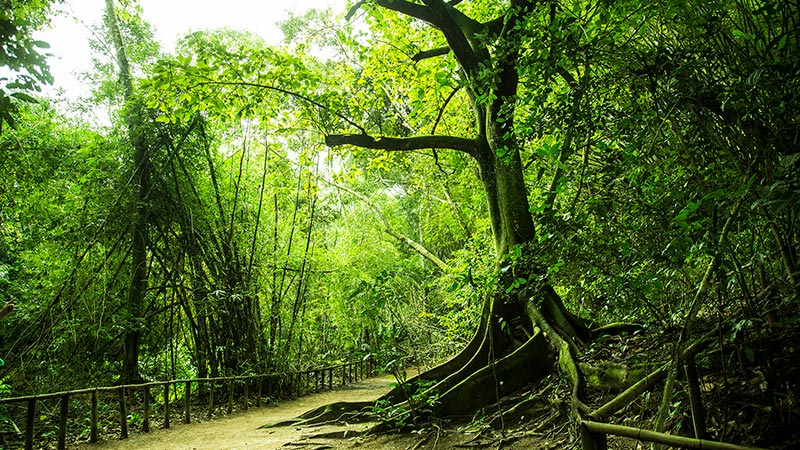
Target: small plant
420	400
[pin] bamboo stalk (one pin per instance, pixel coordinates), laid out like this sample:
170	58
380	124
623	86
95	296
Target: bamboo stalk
660	438
695	398
630	394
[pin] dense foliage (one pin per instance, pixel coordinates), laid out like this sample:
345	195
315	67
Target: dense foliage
659	143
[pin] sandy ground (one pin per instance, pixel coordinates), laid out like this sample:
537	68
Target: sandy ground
243	430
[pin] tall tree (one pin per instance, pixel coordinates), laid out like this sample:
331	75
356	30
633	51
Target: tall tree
488	54
141	182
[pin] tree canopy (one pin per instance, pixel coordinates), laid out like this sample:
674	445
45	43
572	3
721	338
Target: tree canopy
412	180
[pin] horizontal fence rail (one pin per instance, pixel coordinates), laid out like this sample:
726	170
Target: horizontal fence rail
173	398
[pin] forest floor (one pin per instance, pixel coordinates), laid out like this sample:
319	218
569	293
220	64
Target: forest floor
252	430
749	380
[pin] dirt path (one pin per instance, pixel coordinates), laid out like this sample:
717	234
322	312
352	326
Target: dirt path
242	430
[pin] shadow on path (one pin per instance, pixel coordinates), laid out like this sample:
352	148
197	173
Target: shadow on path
244	430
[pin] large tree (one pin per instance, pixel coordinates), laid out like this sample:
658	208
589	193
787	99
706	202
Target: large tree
559	87
524	324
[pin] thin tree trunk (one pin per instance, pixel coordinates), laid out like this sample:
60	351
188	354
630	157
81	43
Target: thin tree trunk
140	225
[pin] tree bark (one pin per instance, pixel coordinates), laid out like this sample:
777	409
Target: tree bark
525	331
139	226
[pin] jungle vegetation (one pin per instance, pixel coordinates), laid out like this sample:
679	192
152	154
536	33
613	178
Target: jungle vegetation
481	184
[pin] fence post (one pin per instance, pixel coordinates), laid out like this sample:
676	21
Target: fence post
260	381
62	422
93	424
230	395
146	420
166	405
187	397
29	424
330	379
246	404
123	414
210	399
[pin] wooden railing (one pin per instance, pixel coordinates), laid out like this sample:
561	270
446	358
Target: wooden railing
186	394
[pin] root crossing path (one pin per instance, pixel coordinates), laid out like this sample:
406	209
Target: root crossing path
243	430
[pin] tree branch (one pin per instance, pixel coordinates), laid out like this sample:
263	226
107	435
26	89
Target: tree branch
432	53
417	247
409	9
465	145
454	26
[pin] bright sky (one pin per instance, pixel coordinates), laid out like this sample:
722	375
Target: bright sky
171	19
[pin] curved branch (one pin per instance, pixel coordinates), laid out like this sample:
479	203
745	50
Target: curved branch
432	53
454	26
468	146
416	246
409	9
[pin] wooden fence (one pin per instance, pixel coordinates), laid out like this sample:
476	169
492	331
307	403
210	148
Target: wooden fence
184	394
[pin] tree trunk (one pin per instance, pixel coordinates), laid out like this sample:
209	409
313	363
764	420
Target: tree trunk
525	331
139	226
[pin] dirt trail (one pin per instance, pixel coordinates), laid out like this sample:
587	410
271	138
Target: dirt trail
242	430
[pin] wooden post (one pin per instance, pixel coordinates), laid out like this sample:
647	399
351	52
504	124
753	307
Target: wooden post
187	397
146	420
29	424
230	396
210	399
344	374
330	378
260	387
93	423
123	414
246	404
166	405
62	422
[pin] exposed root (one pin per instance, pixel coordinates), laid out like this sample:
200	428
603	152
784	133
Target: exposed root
341	434
351	412
503	357
529	363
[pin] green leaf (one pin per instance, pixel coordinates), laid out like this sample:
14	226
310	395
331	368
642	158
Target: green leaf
24	97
